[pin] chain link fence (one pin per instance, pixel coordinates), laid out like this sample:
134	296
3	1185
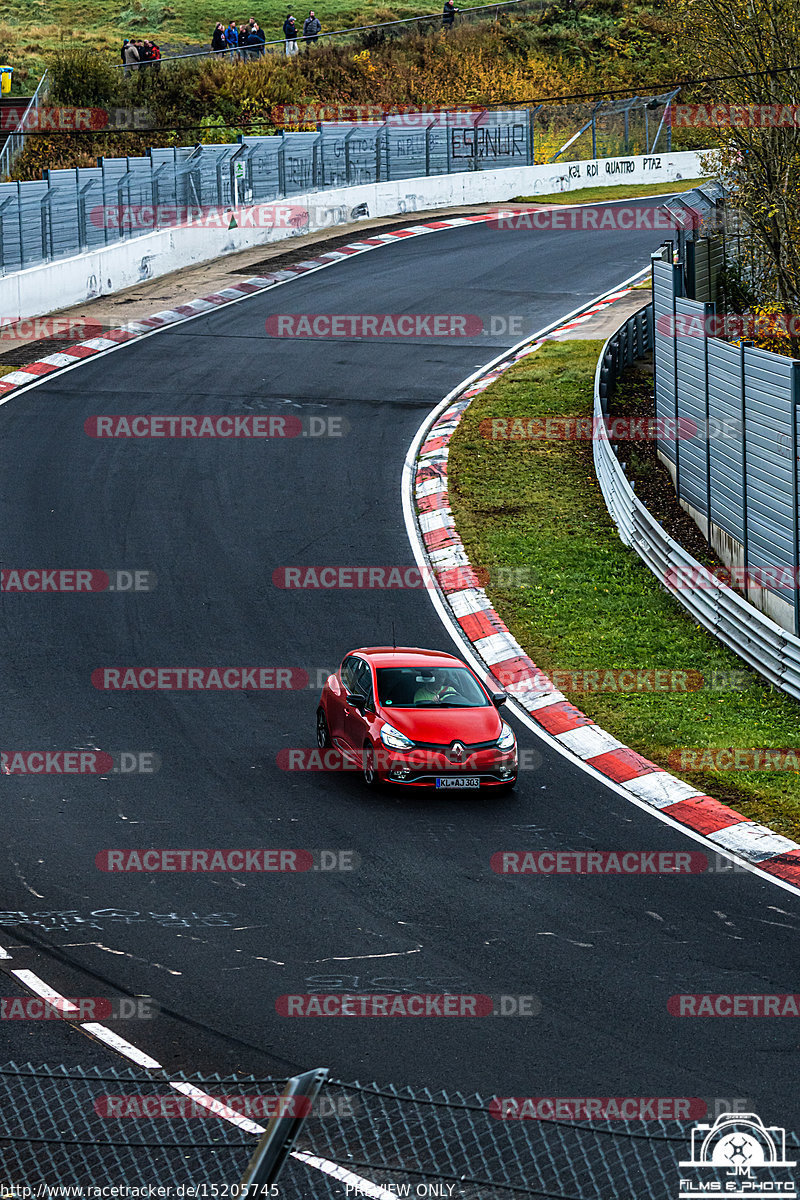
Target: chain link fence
56	1127
77	210
605	129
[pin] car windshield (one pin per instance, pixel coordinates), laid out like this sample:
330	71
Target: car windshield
429	687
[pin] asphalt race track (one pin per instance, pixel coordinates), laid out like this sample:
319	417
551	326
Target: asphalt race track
423	912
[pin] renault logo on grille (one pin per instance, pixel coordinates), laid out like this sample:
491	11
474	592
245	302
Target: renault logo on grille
457	751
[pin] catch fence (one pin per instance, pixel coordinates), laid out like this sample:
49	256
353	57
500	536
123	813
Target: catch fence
54	1129
78	210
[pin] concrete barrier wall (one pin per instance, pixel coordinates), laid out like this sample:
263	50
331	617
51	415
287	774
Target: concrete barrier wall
67	281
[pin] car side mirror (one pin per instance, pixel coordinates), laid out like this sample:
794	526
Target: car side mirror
499	699
354	701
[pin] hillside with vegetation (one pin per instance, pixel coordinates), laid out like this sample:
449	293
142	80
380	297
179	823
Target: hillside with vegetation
521	56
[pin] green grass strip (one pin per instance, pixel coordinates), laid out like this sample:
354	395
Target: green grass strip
531	514
621	191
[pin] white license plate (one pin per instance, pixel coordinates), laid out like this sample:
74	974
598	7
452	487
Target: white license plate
458	781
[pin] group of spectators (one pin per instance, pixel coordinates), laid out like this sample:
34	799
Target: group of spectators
245	41
137	53
241	40
311	31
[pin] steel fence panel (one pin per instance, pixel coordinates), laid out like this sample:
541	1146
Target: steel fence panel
666	286
763	644
726	446
404	147
264	168
703	288
32	195
770	398
690	386
11	235
298	163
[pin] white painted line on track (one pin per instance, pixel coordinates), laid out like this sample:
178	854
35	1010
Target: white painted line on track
120	1045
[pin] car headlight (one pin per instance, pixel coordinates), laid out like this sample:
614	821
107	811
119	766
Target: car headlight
394	739
506	741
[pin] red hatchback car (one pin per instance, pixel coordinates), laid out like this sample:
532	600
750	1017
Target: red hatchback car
418	718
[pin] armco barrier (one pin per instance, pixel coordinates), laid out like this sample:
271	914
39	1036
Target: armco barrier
764	645
128	262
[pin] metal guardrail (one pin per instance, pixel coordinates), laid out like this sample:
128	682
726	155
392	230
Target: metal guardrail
759	641
738	473
251	52
15	141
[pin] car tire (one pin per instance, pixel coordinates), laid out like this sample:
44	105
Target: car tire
323	733
368	772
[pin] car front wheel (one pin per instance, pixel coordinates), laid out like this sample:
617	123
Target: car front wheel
368	766
323	733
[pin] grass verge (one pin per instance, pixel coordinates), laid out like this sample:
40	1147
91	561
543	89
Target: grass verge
588	602
622	191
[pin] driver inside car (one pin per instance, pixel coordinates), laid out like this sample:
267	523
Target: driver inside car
432	691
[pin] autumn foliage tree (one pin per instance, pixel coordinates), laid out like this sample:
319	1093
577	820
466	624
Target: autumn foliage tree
752	47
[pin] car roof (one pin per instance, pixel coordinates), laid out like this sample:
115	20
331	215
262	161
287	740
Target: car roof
407	656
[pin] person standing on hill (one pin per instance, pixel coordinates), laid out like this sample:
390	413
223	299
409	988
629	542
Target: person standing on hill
218	38
290	34
130	56
311	27
449	14
258	39
232	39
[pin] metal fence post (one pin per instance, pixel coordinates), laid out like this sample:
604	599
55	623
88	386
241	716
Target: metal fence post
347	138
709	310
237	154
282	165
83	225
316	162
532	113
281	1133
795	531
45	213
218	173
745	522
428	129
121	184
3	207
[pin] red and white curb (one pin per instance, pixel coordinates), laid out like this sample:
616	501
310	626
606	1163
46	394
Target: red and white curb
112	338
469	609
